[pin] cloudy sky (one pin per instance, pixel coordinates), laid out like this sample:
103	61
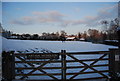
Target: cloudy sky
73	17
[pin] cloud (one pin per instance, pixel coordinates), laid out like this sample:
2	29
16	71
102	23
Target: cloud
41	17
21	22
49	16
48	13
27	18
24	21
57	18
77	9
18	8
106	13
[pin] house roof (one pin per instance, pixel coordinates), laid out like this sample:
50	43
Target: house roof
70	37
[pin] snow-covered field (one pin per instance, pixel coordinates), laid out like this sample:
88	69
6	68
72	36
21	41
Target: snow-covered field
54	46
57	46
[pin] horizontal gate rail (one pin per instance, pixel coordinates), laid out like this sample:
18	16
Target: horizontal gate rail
93	78
92	52
71	67
59	61
60	73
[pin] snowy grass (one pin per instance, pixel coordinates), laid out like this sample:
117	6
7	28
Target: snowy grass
54	46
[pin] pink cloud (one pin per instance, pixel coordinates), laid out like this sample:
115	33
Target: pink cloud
48	13
60	18
77	9
18	8
27	18
49	16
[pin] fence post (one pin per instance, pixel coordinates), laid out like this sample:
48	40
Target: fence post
8	66
12	65
63	58
114	62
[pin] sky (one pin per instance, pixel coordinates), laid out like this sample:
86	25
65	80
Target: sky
0	11
61	0
39	17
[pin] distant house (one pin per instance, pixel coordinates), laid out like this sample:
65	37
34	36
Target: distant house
71	38
82	39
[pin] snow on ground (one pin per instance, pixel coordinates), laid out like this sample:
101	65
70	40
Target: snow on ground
54	46
57	46
111	40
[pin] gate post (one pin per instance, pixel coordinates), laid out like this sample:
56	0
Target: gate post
63	58
114	68
8	66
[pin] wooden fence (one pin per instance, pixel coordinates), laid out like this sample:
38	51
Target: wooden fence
11	71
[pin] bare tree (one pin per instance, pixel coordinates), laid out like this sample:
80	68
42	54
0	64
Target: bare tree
105	23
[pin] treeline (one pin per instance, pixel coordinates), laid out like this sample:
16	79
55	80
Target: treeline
44	36
92	35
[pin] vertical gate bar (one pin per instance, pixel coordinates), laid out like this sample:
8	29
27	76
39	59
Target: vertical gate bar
8	66
113	66
111	62
13	65
3	65
63	58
